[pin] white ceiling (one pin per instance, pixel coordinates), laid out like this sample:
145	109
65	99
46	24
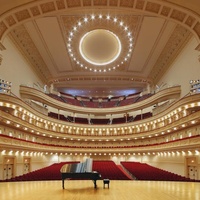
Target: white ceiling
49	36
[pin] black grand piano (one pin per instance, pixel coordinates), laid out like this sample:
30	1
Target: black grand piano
79	171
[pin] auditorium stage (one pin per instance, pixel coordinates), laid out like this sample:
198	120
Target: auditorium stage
84	190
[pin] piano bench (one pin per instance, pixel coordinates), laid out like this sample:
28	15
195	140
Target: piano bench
106	181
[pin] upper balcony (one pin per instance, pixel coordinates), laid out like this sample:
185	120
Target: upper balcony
161	96
175	127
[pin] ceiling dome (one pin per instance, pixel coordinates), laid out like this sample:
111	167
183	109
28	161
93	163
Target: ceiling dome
99	43
100	47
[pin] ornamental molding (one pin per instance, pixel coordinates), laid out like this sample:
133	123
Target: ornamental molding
123	26
169	11
1	49
174	46
26	46
1	58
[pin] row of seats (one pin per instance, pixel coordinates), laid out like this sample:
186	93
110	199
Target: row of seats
143	171
103	103
51	172
81	120
109	170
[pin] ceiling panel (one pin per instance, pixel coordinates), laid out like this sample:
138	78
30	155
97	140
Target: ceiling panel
54	43
150	30
43	41
163	39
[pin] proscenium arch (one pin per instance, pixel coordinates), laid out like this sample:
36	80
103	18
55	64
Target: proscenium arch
34	10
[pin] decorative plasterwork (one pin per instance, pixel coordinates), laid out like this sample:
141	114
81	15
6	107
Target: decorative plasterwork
1	58
188	21
174	46
3	28
75	27
22	15
198	49
71	80
21	37
163	9
1	49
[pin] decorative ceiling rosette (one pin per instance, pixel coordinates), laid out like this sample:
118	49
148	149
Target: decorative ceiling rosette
99	43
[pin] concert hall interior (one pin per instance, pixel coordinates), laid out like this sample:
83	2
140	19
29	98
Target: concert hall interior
114	81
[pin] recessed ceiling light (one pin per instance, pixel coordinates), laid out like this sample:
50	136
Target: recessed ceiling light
81	58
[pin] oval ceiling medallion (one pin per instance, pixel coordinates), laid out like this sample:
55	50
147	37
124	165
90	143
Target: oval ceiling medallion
100	47
99	43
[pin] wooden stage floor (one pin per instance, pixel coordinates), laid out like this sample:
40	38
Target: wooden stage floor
84	190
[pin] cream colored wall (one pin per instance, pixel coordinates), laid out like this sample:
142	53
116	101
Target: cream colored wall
186	67
172	163
14	68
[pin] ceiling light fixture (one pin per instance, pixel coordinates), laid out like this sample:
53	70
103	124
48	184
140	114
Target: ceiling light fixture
84	34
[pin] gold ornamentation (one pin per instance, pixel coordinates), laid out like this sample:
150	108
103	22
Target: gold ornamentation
125	3
178	15
47	7
60	4
74	3
35	11
197	29
175	44
190	21
3	28
140	4
165	11
10	20
113	3
22	15
153	7
72	30
27	46
100	2
1	58
87	3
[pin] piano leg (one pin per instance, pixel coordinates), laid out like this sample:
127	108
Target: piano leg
95	183
63	183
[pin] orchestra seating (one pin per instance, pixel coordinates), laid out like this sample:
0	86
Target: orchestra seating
51	172
109	170
142	171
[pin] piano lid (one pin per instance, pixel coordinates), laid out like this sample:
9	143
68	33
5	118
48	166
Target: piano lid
78	167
